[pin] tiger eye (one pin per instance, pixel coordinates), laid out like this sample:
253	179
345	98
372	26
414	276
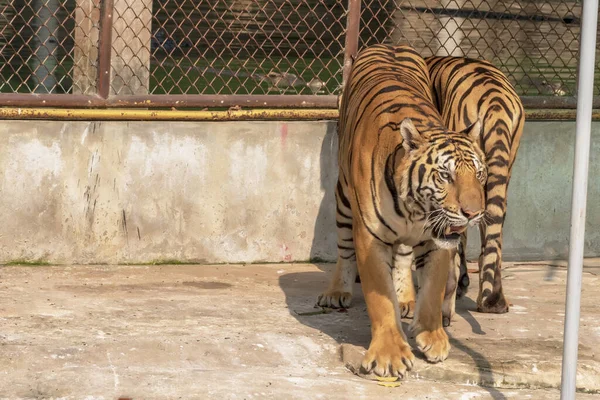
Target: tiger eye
445	176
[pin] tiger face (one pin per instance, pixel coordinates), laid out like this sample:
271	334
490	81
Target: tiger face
444	177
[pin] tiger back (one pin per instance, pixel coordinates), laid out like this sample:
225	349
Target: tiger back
404	179
464	90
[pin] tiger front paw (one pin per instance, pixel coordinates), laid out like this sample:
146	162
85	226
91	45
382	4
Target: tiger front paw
335	299
434	344
388	355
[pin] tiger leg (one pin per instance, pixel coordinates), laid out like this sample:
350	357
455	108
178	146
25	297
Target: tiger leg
339	292
432	271
491	297
403	281
388	353
452	285
463	276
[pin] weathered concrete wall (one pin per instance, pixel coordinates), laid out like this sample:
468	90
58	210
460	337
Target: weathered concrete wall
138	192
539	209
108	192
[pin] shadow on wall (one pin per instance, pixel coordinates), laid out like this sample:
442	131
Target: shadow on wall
324	244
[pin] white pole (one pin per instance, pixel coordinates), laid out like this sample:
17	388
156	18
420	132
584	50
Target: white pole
585	92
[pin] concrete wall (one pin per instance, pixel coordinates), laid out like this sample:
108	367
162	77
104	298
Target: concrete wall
116	192
539	202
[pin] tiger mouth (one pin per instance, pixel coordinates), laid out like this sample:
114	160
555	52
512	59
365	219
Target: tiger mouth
451	232
443	236
456	229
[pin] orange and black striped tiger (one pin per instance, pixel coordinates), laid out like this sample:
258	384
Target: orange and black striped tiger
407	187
466	90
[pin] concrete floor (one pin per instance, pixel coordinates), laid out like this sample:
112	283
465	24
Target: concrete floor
234	332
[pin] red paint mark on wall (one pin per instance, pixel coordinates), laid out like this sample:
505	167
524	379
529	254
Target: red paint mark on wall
283	133
285	253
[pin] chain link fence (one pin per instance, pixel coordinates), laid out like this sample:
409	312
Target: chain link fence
275	52
247	47
536	43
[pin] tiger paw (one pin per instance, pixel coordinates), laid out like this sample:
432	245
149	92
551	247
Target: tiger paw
335	299
407	310
388	355
494	303
434	344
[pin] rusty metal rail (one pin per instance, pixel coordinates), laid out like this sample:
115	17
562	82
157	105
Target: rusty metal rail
167	101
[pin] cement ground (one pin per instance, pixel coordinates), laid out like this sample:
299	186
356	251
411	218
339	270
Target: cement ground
241	332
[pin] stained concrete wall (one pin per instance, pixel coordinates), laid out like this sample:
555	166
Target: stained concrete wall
539	202
116	192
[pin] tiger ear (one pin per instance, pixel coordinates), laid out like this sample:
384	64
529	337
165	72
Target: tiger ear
474	130
410	135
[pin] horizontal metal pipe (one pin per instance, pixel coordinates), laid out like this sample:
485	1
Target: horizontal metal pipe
168	101
556	115
217	100
554	102
50	100
230	115
165	115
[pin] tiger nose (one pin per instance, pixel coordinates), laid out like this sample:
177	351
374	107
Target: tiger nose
469	213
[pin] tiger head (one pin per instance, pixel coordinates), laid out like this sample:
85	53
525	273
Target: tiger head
444	174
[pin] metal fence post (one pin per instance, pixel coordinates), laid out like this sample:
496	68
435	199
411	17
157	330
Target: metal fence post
85	49
587	52
105	47
352	35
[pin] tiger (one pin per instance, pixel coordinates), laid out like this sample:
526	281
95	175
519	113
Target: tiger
407	188
466	90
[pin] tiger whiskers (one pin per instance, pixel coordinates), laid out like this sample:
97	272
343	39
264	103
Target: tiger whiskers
433	214
436	221
431	217
486	219
480	219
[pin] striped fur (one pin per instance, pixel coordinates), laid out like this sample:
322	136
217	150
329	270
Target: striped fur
406	188
466	90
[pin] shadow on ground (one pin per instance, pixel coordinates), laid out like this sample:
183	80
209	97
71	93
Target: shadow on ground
352	326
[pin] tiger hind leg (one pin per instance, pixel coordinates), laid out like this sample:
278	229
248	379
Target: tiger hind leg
491	296
339	291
